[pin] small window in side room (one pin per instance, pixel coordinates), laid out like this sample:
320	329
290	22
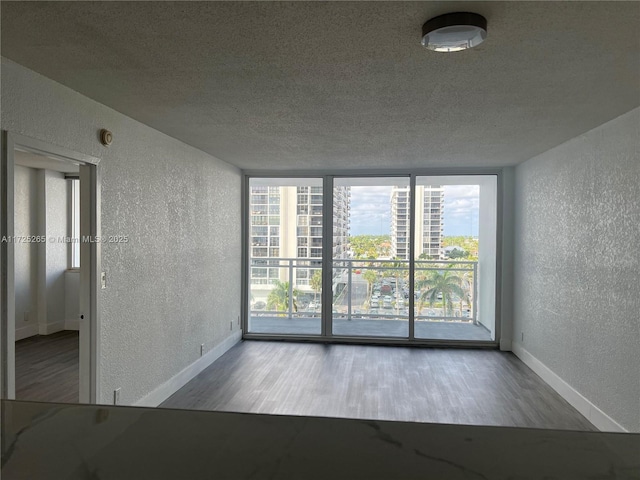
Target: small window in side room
75	223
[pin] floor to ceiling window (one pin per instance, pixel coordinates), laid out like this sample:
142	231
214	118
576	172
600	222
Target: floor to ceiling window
455	257
370	275
408	258
285	255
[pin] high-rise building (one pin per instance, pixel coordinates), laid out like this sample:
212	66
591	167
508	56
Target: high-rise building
429	224
400	221
286	222
341	221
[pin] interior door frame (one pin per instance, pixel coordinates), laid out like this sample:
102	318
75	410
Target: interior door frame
90	262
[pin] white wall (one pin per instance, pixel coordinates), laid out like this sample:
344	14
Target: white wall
577	270
40	210
56	256
176	284
26	254
487	218
71	299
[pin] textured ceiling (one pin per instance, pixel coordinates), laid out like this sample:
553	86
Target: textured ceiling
336	85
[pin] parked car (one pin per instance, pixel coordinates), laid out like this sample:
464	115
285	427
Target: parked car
259	305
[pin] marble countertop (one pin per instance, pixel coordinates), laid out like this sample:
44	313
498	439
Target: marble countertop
51	441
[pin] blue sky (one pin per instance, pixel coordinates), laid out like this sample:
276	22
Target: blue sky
371	215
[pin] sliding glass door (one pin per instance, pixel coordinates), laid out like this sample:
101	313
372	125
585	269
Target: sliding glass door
285	255
371	264
455	244
404	257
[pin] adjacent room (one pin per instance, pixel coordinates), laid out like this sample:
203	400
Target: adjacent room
47	278
325	209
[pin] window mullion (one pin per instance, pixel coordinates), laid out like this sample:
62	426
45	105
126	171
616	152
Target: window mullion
411	256
327	256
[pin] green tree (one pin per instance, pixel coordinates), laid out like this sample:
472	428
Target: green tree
397	271
456	253
441	282
316	284
278	298
468	244
371	277
370	246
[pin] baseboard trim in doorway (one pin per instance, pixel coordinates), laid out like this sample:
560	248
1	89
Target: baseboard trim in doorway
597	417
49	328
26	332
175	383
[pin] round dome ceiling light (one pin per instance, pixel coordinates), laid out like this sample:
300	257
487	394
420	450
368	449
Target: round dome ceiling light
453	32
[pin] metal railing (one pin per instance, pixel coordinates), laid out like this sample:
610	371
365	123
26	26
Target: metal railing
349	276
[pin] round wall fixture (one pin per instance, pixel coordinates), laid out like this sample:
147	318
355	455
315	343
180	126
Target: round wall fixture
453	32
106	137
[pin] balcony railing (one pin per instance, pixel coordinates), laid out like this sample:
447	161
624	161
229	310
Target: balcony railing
365	289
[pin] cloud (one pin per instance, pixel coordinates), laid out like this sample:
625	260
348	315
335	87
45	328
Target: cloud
371	210
461	207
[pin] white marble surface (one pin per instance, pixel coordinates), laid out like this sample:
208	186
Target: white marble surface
48	441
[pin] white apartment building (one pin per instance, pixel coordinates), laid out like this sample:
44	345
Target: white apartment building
429	208
341	221
286	222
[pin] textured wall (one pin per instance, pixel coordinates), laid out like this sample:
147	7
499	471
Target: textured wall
176	284
577	264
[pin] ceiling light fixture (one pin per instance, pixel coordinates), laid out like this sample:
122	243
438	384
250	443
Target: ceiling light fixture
453	32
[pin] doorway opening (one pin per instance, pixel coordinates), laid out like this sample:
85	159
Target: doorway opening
50	255
47	278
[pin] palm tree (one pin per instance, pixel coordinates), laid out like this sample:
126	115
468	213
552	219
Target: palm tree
278	298
397	264
316	284
370	276
441	282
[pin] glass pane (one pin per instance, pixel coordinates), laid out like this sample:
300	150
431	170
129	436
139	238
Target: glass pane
75	223
447	255
285	264
370	257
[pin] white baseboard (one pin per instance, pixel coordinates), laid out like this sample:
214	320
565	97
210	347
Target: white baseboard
73	324
597	417
26	332
175	383
49	328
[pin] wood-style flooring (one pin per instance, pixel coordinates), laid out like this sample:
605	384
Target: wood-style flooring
47	368
477	387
